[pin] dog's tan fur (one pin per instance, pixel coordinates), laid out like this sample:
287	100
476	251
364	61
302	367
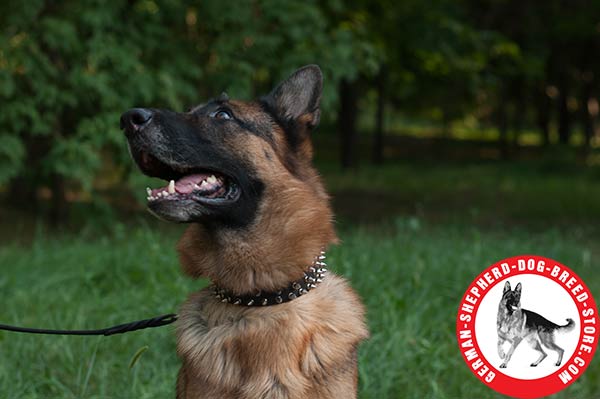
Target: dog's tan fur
305	348
301	349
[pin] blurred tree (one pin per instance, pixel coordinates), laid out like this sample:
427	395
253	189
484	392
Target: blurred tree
554	72
358	60
67	71
433	61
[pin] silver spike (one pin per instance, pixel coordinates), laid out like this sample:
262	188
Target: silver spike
311	279
302	291
237	301
278	299
224	300
250	302
265	301
278	292
312	269
322	257
312	286
295	286
259	293
291	295
319	280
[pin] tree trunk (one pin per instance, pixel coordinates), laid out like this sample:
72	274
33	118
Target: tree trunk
23	194
564	120
587	122
378	136
503	130
518	115
58	210
543	109
23	188
347	123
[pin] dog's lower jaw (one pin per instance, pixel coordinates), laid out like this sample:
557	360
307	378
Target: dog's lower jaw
305	348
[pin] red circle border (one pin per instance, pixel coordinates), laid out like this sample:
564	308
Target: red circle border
494	378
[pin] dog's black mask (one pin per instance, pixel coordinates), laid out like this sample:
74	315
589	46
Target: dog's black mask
207	181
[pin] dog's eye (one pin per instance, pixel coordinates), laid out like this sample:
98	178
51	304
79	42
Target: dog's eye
221	114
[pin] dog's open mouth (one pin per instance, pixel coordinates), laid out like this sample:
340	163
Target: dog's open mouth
209	187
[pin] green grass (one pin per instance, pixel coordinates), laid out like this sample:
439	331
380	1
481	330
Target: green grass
431	228
411	274
534	193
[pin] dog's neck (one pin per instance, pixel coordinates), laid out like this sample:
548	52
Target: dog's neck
311	279
268	257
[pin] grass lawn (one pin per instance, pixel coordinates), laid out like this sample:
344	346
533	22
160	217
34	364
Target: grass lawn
410	273
431	228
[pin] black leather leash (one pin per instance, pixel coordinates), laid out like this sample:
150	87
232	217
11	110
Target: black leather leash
312	277
157	321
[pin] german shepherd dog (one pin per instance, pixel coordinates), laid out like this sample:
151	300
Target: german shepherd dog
516	324
273	324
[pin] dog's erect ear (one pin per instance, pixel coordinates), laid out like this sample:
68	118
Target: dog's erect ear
518	290
506	287
296	99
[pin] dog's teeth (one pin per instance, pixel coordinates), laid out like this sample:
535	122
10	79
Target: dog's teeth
204	184
148	191
212	179
172	187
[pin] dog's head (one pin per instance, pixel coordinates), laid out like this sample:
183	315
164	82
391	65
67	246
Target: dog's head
511	299
242	174
219	159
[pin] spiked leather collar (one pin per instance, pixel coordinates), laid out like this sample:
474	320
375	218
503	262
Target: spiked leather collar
312	277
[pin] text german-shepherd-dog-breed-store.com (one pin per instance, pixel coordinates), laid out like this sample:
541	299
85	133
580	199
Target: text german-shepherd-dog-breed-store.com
274	323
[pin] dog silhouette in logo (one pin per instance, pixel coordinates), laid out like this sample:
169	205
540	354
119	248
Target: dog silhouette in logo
516	324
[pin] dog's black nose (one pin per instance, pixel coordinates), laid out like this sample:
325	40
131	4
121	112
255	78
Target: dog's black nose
135	119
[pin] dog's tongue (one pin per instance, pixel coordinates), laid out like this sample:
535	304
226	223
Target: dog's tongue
186	184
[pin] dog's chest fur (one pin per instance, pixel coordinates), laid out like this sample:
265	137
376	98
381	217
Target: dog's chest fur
510	325
305	348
